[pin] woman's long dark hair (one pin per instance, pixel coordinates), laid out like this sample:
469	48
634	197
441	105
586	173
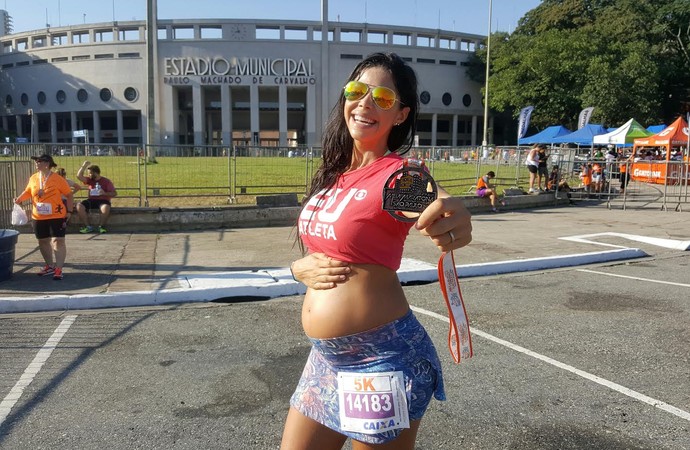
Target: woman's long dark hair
337	144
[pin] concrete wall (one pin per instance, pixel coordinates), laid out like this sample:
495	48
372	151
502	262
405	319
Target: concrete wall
174	219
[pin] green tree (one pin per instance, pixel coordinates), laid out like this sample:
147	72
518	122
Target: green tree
627	58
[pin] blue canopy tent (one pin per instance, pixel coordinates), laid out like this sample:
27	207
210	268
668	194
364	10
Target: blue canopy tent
583	136
656	128
545	136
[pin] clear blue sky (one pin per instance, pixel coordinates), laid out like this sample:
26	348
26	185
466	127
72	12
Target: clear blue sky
469	16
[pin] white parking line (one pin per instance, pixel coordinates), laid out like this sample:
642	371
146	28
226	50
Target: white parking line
659	242
609	384
34	367
634	278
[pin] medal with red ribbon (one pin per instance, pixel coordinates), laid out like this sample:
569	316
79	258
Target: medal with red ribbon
406	194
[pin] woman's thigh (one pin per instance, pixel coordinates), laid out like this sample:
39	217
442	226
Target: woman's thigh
303	433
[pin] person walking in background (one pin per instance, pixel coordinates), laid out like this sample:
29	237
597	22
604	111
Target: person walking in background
355	312
486	189
532	163
46	190
625	167
542	169
101	191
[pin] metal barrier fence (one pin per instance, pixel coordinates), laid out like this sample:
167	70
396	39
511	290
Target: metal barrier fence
199	176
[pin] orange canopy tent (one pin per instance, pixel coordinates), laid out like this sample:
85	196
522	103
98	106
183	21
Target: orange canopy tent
674	135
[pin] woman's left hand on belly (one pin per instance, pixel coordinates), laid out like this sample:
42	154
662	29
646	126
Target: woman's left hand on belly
447	222
319	271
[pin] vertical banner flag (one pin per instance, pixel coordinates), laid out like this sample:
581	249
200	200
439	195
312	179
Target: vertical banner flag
585	115
523	123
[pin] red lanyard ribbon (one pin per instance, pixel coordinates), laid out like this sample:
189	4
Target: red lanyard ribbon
459	337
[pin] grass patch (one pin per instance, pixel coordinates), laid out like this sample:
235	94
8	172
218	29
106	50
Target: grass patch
213	181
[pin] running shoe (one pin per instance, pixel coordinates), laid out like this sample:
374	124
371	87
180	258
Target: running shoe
102	230
86	229
47	270
57	276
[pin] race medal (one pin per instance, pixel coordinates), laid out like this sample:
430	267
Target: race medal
409	191
372	403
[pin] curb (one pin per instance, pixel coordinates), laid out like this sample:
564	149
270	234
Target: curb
267	284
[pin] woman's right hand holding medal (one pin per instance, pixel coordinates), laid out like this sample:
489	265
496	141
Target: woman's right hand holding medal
447	222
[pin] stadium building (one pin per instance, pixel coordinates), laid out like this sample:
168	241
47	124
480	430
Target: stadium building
220	81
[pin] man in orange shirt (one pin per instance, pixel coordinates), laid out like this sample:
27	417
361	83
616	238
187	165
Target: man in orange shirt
486	189
586	176
46	190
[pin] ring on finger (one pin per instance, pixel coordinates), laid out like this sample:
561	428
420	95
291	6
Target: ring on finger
452	237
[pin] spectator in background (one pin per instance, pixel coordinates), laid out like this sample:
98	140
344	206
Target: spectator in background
101	191
542	169
486	189
532	163
586	176
555	182
597	178
46	191
73	185
625	167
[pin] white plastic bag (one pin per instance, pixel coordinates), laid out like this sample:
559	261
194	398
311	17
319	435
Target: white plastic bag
18	216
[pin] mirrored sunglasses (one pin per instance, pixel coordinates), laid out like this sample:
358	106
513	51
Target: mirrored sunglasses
382	96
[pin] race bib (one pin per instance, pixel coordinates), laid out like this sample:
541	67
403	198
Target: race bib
44	209
372	403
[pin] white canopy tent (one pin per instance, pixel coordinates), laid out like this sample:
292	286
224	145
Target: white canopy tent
625	134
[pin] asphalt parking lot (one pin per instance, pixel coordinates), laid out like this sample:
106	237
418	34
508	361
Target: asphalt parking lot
220	375
584	357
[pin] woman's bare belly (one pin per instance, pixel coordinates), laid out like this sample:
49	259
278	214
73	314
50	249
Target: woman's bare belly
370	297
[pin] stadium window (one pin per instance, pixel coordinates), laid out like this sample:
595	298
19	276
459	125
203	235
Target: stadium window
128	34
80	38
425	41
211	32
350	36
267	32
183	32
376	37
104	35
402	39
296	34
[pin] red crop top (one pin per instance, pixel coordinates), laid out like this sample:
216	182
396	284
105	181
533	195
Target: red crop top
348	222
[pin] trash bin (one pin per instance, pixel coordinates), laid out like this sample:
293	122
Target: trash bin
8	241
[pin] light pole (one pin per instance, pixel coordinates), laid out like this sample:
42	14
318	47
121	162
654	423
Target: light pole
486	83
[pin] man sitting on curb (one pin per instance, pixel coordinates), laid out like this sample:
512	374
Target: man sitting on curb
101	190
485	188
